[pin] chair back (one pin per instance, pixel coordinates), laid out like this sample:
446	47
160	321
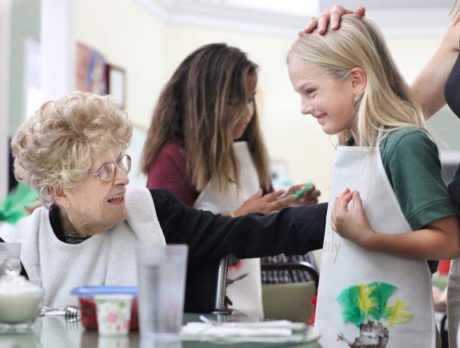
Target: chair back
290	301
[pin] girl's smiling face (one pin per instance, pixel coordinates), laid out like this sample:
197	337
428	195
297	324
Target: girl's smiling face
323	96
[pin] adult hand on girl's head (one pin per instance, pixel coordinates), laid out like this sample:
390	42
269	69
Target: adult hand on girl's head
330	19
269	203
309	197
350	220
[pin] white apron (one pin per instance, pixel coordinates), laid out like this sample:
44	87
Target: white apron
246	293
405	316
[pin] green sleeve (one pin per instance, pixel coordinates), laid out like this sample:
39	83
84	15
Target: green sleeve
412	164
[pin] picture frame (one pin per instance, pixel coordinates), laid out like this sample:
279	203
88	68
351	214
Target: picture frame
116	80
91	70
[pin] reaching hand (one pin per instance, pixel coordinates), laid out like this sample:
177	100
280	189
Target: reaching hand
269	203
350	221
330	19
309	197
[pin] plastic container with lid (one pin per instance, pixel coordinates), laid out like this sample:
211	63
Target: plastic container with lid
88	312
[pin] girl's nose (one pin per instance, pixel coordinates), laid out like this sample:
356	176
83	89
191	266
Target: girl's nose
306	107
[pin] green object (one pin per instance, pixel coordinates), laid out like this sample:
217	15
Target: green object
410	160
308	186
364	302
12	209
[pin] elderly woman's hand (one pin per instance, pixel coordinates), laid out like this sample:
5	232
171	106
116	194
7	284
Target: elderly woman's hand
350	221
330	19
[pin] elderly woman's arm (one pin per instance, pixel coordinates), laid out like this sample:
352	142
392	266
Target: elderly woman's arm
291	231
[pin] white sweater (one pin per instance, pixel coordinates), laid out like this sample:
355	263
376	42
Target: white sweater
105	259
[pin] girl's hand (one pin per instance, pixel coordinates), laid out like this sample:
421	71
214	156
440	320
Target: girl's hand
309	197
330	18
350	221
269	203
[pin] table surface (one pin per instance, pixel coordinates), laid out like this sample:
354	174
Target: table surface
56	332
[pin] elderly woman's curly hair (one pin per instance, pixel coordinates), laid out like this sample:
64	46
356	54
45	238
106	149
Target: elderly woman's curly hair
58	144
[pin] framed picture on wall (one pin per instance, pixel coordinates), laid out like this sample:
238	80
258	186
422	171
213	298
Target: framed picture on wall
116	78
91	70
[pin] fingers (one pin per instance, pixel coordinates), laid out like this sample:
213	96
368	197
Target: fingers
344	198
272	196
310	28
337	12
312	194
333	215
357	202
323	22
331	19
294	188
255	196
360	11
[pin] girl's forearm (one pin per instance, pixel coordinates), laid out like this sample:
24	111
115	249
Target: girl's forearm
434	242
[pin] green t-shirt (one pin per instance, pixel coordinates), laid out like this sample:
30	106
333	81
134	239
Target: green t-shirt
412	165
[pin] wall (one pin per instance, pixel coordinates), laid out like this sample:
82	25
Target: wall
150	50
131	38
25	23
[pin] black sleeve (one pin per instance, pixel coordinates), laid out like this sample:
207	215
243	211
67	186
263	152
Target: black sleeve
209	237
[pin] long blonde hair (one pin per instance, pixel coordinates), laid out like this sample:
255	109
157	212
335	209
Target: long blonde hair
386	102
193	109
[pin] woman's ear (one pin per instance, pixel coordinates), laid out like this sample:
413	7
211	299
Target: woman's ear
59	196
358	80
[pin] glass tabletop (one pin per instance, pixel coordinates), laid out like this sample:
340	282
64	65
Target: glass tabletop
57	332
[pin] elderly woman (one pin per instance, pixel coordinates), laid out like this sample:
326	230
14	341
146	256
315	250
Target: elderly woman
73	152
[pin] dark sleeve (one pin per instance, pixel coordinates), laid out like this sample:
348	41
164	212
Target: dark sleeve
209	236
168	171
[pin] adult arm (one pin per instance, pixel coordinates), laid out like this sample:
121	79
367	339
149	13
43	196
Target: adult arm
428	86
209	236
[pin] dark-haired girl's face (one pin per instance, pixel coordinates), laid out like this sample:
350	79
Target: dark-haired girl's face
243	122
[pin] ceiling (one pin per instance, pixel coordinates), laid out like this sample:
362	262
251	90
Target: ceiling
390	4
395	17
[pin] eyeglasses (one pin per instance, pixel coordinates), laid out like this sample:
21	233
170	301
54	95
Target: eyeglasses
109	170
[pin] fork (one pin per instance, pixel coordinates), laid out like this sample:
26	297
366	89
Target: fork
69	312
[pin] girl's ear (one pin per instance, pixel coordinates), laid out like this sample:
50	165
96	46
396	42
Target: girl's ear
59	196
358	80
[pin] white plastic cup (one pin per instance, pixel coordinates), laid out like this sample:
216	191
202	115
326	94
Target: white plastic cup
113	314
161	276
